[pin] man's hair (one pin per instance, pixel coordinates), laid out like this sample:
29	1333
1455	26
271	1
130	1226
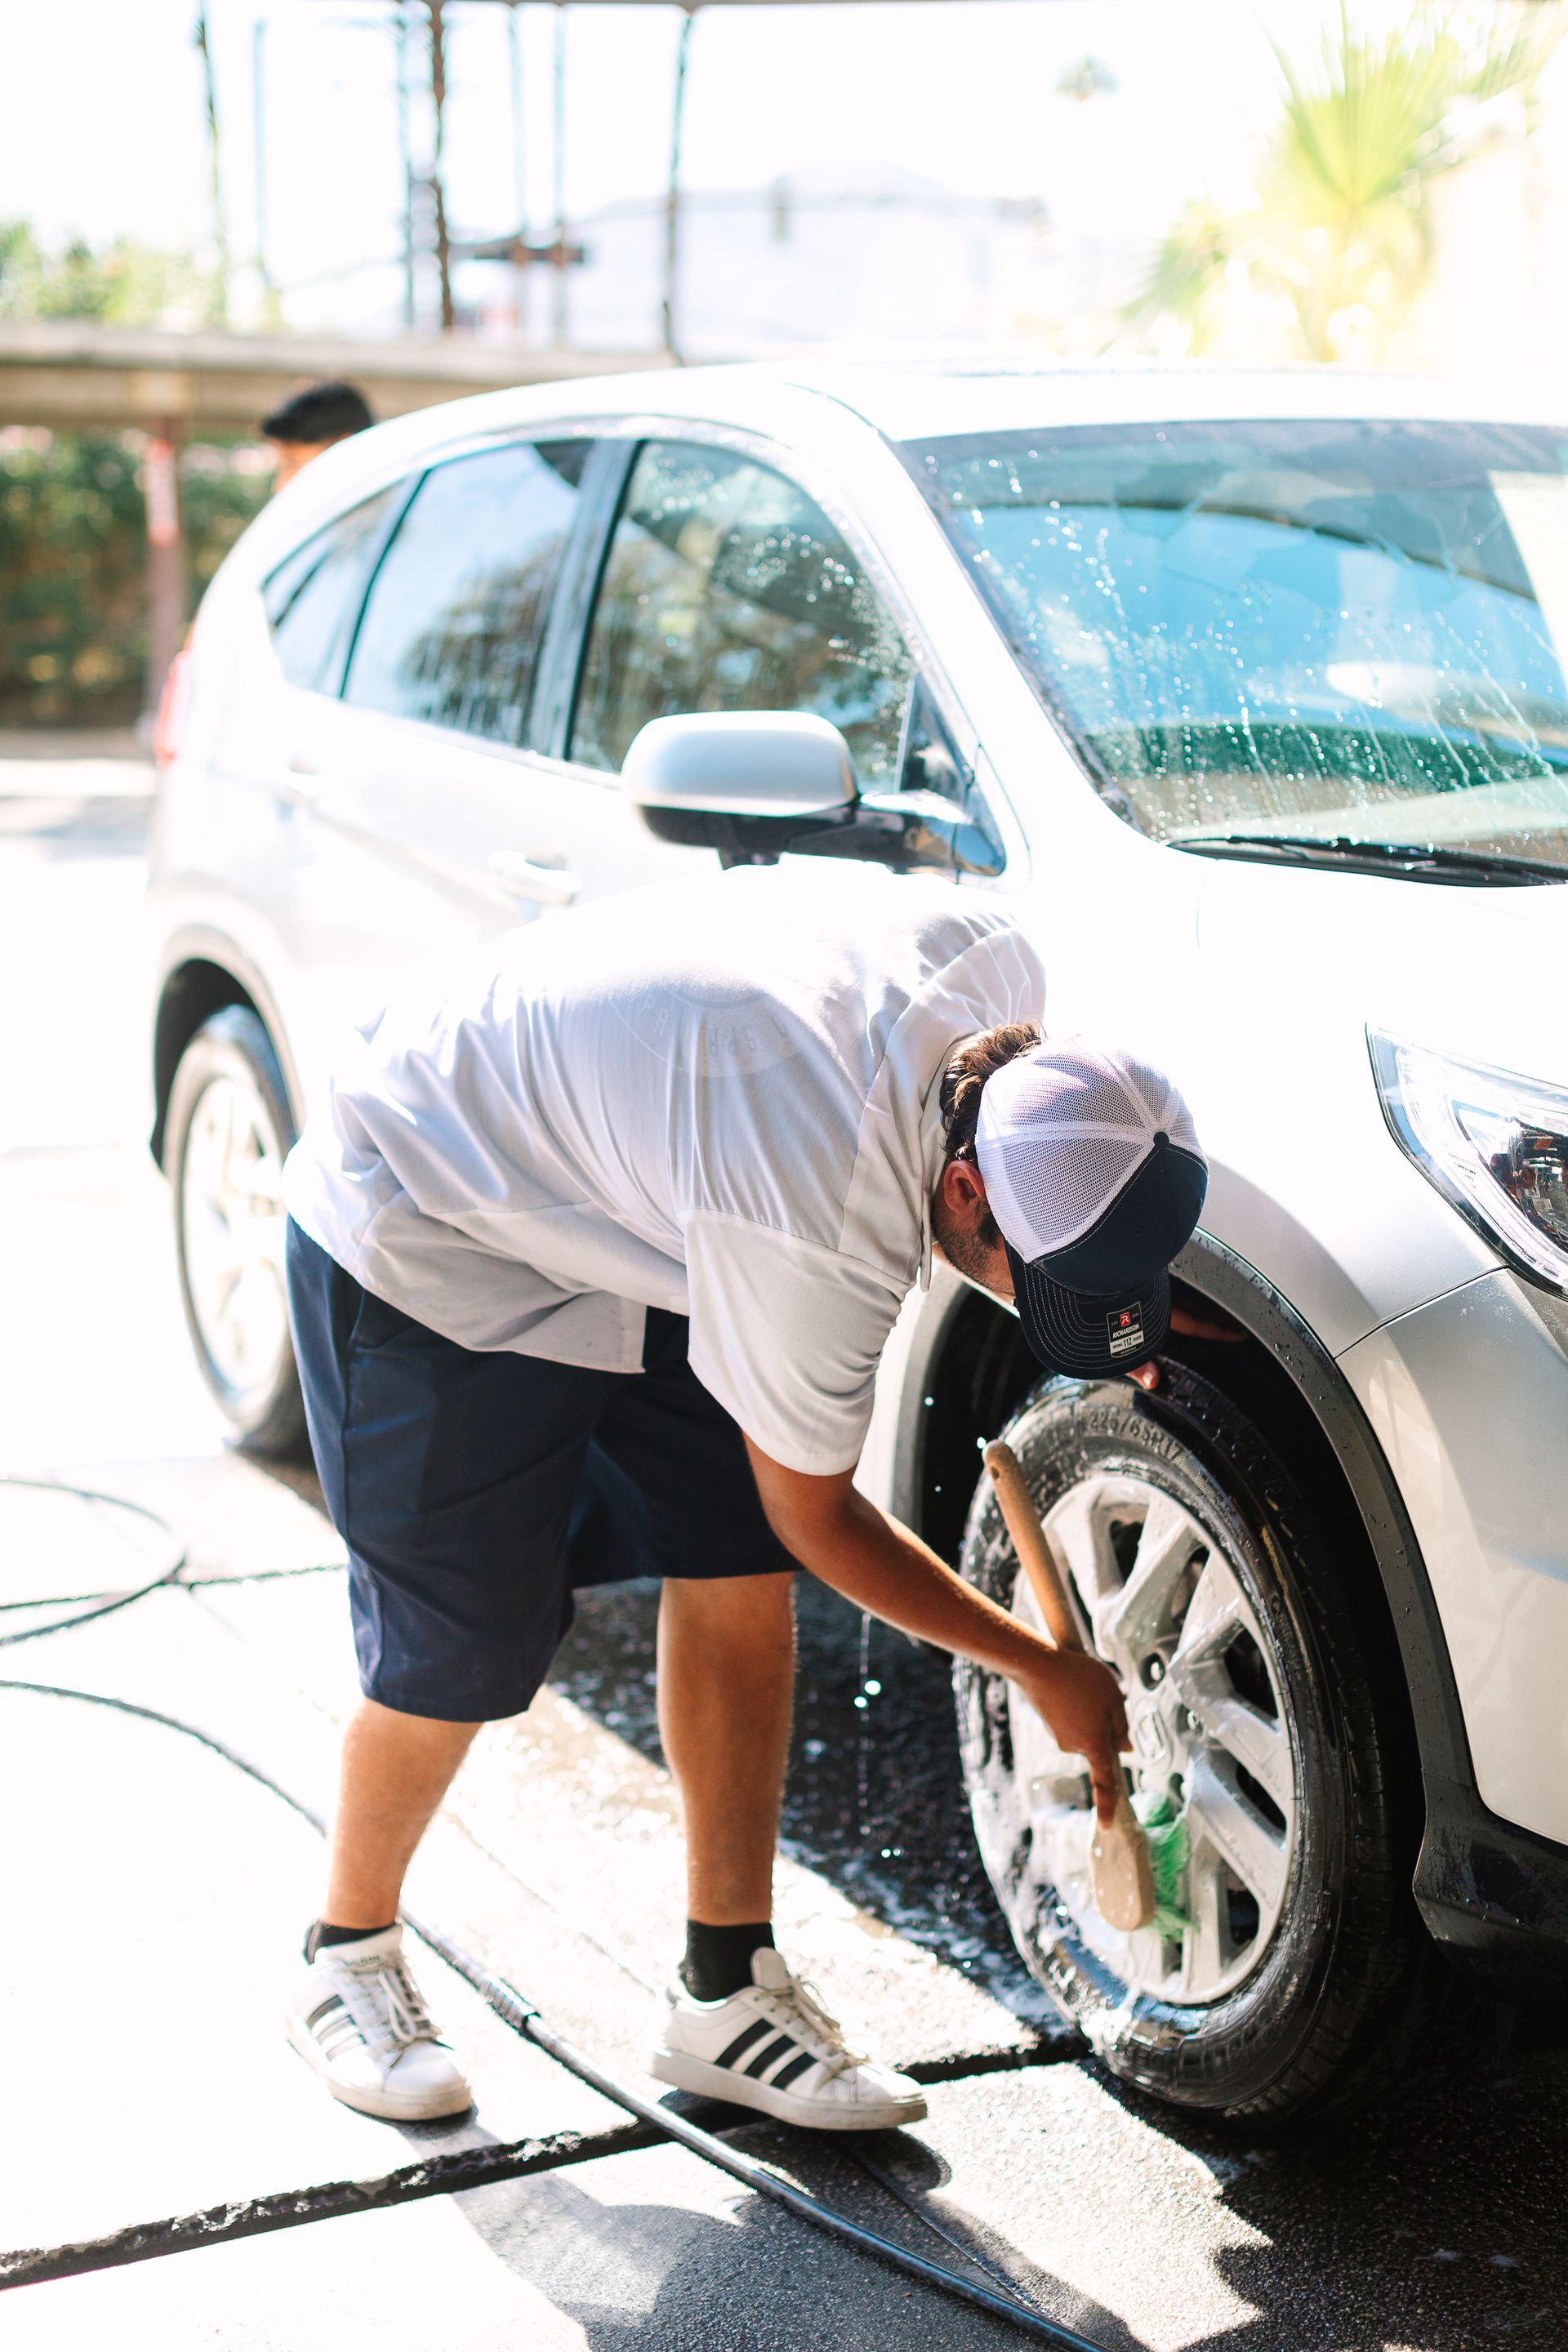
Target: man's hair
964	1080
322	411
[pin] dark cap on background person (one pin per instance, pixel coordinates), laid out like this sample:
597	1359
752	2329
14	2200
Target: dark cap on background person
312	420
1095	1177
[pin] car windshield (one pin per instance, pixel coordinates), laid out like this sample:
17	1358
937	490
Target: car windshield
1335	631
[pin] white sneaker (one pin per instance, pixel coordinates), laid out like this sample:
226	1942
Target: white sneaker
774	2046
360	2019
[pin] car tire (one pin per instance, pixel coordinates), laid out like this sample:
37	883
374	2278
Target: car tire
1344	1990
229	1129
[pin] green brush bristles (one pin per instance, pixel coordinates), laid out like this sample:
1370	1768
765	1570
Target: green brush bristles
1168	1850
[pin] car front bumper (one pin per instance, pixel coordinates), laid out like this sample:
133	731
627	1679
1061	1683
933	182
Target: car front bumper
1468	1399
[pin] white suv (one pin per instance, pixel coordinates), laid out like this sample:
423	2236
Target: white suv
1250	693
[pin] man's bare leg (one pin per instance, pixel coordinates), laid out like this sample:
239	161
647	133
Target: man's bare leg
739	2025
726	1678
396	1770
726	1688
356	2014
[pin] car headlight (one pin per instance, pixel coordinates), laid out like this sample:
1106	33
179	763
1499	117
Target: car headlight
1494	1144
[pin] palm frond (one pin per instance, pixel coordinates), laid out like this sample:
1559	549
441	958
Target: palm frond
1340	220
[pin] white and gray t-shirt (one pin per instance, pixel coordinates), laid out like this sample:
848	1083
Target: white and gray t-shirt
720	1099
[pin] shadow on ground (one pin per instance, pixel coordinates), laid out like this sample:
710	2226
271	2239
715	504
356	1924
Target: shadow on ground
1342	2245
1435	2222
74	826
632	2272
875	1799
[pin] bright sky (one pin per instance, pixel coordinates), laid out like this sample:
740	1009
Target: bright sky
101	126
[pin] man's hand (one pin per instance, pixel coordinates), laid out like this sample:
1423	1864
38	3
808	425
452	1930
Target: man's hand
1080	1701
841	1536
1214	1324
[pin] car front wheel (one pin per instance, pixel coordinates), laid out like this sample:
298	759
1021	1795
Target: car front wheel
1285	1970
229	1131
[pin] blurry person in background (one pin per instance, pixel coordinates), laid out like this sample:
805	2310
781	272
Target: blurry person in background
311	422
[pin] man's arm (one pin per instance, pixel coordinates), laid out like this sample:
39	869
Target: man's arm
872	1559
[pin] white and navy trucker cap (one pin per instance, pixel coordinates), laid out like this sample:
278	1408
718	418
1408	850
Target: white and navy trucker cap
1094	1176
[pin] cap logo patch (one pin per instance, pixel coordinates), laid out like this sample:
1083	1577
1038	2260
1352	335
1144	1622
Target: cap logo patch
1124	1331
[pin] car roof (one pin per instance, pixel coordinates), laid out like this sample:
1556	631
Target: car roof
901	400
914	401
920	403
906	400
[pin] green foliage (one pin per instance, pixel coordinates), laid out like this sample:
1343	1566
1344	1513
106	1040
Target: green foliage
1337	244
220	498
1087	77
73	646
125	284
72	566
73	546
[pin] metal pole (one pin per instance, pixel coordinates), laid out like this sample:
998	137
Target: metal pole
558	170
518	167
405	151
220	223
672	193
436	11
258	146
165	554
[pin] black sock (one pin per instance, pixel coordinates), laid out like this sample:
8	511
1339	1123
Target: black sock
719	1959
321	1932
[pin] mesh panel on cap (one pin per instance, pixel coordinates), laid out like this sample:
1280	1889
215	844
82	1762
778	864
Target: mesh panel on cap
1060	1184
1071	1086
1114	1089
1061	1132
1183	1130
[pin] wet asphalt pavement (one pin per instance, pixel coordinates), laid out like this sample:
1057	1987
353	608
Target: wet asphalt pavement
875	1799
156	1898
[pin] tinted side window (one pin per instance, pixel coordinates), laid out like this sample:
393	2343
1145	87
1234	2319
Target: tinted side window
312	600
452	631
726	588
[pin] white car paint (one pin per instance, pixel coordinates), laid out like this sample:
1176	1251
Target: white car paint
306	835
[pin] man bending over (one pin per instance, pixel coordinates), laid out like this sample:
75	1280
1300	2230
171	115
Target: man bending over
590	1268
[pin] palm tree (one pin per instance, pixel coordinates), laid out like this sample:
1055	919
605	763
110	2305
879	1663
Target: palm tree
1338	239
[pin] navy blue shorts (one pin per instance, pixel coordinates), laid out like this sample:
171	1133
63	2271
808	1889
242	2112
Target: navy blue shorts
476	1491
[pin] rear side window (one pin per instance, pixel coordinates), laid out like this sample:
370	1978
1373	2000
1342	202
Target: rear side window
314	599
452	631
726	588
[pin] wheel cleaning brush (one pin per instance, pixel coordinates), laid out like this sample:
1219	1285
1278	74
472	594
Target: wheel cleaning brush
1169	1852
1119	1853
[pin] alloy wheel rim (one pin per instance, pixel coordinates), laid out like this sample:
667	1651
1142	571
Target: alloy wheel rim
232	1226
1161	1601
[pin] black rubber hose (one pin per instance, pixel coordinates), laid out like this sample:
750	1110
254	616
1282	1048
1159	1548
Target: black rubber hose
500	1996
524	2018
106	1605
468	2167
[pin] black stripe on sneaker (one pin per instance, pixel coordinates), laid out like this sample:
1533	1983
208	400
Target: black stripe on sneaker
787	2074
323	2009
743	2043
764	2058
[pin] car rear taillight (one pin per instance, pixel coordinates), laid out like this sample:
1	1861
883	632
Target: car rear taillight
173	706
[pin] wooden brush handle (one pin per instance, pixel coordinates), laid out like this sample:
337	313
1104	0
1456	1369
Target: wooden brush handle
1023	1524
1119	1871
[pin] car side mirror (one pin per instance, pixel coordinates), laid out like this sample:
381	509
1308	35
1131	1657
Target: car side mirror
743	764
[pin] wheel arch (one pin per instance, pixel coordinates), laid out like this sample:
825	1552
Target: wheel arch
203	972
1493	1894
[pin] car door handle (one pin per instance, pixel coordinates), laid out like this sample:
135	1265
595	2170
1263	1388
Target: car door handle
532	877
297	787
